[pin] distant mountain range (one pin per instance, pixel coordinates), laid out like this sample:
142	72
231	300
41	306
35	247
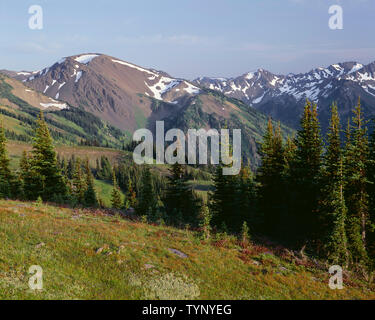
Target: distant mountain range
129	97
283	96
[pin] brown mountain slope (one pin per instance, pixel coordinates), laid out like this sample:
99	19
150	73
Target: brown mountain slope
32	97
19	108
112	89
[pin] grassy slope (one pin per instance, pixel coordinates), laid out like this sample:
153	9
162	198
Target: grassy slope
74	269
104	190
16	148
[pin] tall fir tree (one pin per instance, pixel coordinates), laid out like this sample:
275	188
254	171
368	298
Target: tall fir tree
46	179
116	194
79	185
333	210
289	155
356	187
218	198
130	196
247	197
147	202
223	201
5	173
71	167
180	202
305	178
287	223
90	198
105	172
371	193
26	175
271	178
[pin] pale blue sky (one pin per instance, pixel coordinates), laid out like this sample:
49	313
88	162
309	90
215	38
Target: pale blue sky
190	38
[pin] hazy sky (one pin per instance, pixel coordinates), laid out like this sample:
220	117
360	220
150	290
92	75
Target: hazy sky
190	38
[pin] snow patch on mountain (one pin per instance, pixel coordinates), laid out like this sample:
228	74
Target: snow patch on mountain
78	76
60	106
250	76
86	58
257	100
135	67
23	73
274	81
366	77
162	86
356	67
191	89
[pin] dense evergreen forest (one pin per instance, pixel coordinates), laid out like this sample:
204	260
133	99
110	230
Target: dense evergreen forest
311	193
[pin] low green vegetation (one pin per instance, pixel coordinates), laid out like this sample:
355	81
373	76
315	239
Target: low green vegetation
104	189
86	254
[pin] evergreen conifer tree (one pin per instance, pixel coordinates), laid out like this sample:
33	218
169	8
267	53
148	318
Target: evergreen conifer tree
371	193
105	172
71	167
247	197
289	154
205	223
90	198
79	185
333	209
45	177
223	201
271	178
25	174
5	173
147	202
130	196
116	194
356	187
305	177
290	149
179	201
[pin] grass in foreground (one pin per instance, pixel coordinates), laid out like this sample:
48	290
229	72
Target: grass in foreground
91	255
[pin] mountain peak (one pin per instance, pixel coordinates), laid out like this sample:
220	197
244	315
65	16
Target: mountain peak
108	87
258	87
85	58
